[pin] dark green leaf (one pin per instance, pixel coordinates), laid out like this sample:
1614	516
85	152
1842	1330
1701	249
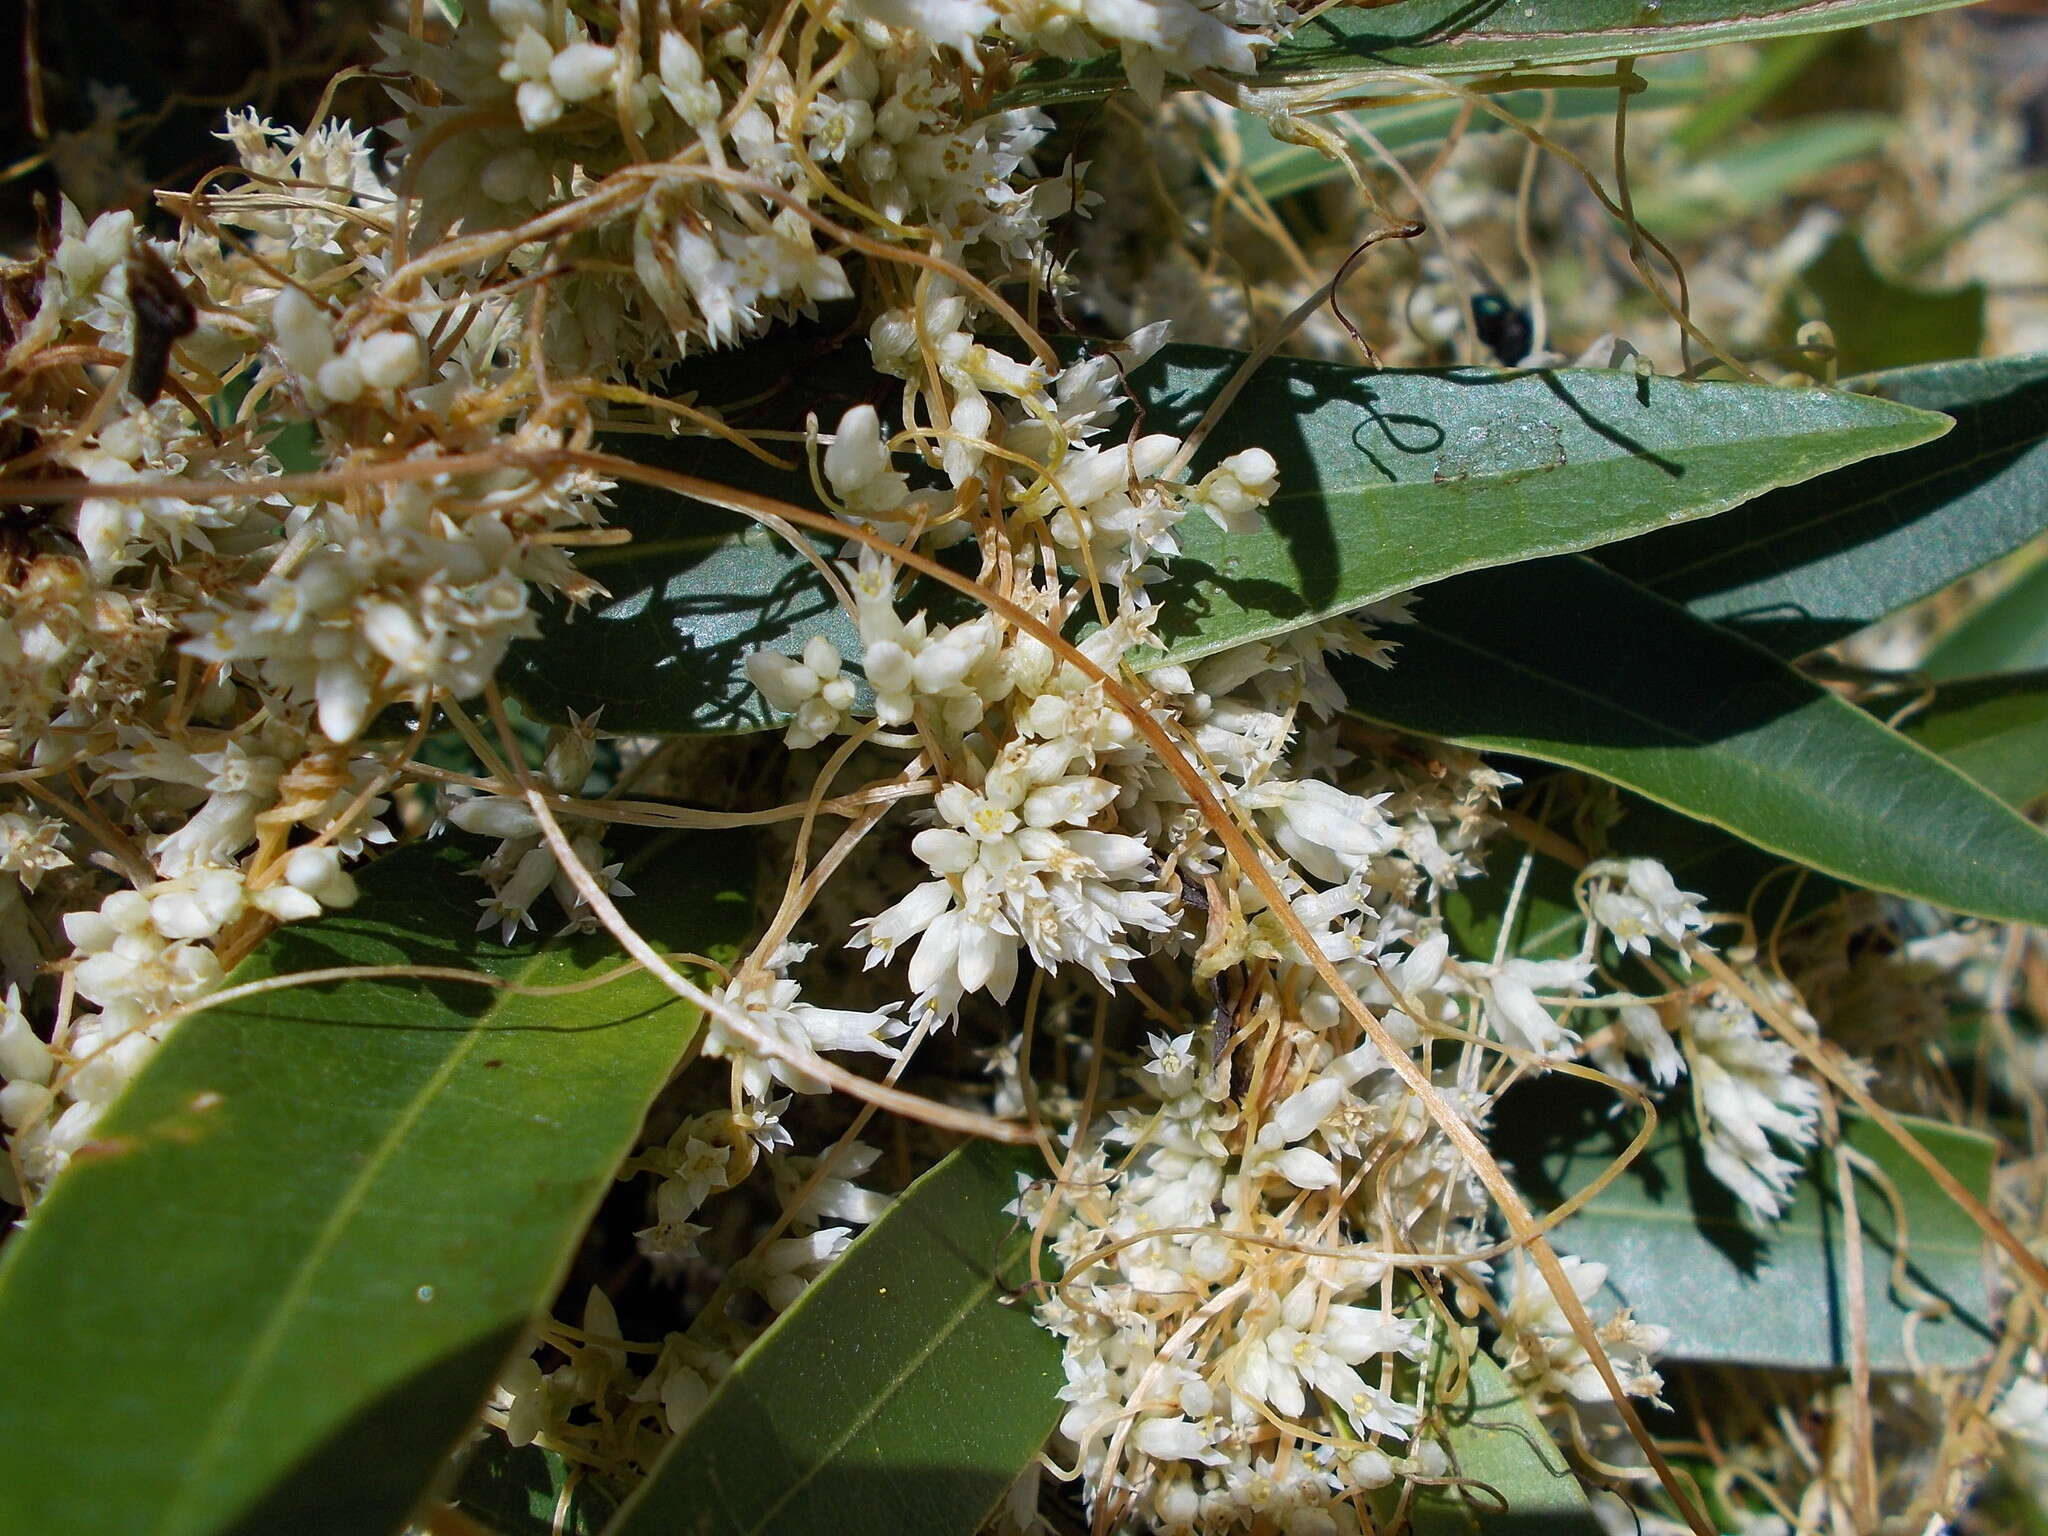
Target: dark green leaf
1879	323
900	1393
273	1291
1495	1439
1387	480
1995	729
1683	1254
2008	633
1798	569
1565	662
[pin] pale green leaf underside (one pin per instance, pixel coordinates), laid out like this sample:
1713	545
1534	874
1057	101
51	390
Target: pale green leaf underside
900	1393
1456	37
1568	663
1387	480
274	1292
1683	1255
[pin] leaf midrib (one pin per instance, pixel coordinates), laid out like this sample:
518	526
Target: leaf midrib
1748	766
270	1340
1669	39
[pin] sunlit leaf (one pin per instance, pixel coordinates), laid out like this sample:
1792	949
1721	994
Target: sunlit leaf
272	1292
1517	1482
1280	169
1456	37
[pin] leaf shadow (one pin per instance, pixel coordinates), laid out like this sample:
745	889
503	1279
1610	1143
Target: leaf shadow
1886	529
369	1472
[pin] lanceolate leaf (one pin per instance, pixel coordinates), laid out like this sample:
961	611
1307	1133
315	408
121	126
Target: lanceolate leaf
901	1392
2007	633
1387	480
1994	729
1566	662
1684	1255
273	1292
1796	570
1392	479
1457	37
1279	169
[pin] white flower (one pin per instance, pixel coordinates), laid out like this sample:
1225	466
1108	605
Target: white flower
1331	834
1648	903
1748	1091
1233	492
773	1005
951	24
857	465
814	692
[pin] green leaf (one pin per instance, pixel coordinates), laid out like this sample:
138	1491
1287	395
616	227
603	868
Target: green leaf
2006	634
1279	169
1392	479
1387	480
1879	323
1566	662
1995	729
1799	569
1455	37
516	1491
1680	1250
899	1393
272	1292
1495	1439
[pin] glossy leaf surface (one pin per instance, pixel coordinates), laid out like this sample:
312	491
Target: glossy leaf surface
899	1394
1684	1255
1796	570
273	1291
1568	663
